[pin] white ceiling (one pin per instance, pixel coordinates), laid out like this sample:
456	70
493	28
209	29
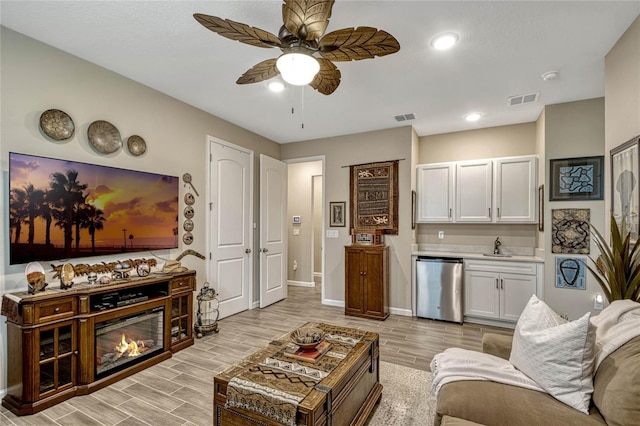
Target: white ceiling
504	47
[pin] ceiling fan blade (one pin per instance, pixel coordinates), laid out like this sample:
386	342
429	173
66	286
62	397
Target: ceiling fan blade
307	20
259	72
237	31
328	78
350	44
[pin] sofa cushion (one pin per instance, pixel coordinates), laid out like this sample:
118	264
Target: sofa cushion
617	385
496	404
558	355
497	345
455	421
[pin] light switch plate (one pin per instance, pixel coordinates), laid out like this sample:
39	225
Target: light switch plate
333	233
296	231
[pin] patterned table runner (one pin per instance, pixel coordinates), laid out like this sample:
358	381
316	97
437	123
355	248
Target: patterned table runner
273	384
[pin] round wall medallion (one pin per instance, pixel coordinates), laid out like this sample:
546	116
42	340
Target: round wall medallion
137	146
189	199
188	225
189	212
104	137
57	124
187	238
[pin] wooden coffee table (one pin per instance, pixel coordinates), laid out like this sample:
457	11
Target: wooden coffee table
345	397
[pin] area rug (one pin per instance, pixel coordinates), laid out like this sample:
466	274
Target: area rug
406	397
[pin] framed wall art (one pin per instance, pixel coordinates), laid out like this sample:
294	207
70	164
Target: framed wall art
336	213
541	208
625	198
576	179
570	231
374	196
570	273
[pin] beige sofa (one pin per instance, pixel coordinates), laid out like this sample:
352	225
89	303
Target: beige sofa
615	400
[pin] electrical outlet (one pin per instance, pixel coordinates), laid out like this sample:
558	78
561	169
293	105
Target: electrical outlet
441	235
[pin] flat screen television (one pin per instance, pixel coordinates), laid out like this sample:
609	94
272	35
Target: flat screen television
61	209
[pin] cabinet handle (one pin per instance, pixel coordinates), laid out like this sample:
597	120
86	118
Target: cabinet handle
75	352
449	213
489	211
57	309
501	284
364	273
498	212
497	288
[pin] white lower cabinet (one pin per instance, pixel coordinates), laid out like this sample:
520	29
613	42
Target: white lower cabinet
499	290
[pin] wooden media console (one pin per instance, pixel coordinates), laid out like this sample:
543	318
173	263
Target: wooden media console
63	343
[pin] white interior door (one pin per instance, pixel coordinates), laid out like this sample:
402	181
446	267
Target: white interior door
273	230
231	236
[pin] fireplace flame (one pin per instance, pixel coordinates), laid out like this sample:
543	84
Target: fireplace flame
128	349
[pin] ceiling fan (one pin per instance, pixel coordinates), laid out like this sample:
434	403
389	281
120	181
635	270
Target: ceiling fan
302	40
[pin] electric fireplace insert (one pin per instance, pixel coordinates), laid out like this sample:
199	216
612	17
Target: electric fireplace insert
125	341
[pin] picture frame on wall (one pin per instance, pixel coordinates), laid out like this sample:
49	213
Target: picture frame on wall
625	194
576	179
337	213
541	208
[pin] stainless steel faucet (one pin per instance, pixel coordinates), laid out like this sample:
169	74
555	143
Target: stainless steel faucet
496	246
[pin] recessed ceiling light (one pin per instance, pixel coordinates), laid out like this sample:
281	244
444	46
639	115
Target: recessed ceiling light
275	86
549	75
444	41
473	116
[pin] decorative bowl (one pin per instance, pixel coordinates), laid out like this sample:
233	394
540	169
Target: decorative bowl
57	124
104	137
307	337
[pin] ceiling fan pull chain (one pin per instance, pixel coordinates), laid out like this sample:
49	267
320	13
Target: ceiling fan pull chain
302	106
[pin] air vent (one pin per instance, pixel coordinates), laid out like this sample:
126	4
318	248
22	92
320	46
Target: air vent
405	117
523	99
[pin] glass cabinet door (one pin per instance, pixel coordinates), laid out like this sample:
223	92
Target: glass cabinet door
56	359
180	318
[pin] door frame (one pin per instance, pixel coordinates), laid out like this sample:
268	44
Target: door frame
209	157
324	190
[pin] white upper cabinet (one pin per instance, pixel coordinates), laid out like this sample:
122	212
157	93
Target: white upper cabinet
435	192
473	191
483	191
515	189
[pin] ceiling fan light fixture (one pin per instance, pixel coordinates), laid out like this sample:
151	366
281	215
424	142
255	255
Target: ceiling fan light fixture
444	41
297	68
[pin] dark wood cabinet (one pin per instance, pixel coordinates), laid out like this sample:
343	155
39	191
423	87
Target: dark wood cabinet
367	281
53	335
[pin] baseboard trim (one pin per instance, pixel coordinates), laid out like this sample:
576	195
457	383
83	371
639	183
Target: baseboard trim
330	302
301	283
401	312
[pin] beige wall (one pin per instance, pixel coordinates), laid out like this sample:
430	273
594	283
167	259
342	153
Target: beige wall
36	77
573	129
622	95
542	170
342	151
300	203
503	141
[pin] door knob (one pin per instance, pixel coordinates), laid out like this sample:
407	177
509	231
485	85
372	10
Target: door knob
247	251
264	250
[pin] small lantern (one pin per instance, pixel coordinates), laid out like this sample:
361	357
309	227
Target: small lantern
207	319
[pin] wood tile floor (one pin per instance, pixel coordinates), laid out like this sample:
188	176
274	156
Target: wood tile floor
179	391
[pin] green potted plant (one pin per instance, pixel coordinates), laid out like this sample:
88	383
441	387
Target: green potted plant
617	268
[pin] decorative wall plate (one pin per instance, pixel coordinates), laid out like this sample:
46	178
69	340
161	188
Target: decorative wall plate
57	124
188	225
104	137
187	238
189	199
189	212
137	145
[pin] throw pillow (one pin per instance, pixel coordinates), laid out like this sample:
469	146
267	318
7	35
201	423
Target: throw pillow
555	353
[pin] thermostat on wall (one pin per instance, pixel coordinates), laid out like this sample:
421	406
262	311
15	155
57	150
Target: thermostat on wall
296	219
